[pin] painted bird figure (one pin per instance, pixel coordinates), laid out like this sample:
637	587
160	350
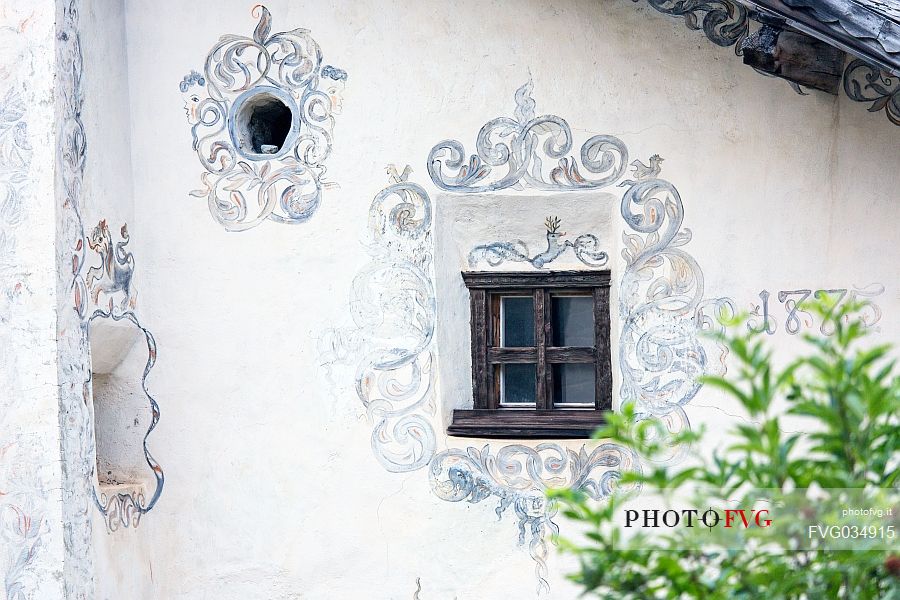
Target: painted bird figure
642	171
395	176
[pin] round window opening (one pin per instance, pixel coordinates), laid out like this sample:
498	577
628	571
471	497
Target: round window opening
263	124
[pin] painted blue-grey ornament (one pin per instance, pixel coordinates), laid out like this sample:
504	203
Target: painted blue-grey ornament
727	22
519	476
390	346
724	22
866	83
262	125
535	151
661	299
586	248
123	509
661	304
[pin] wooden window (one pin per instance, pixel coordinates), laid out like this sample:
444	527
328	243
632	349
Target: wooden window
540	355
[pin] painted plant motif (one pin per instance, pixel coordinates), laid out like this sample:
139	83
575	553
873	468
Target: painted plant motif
724	22
77	441
21	532
866	83
390	344
522	145
24	483
586	248
261	125
15	159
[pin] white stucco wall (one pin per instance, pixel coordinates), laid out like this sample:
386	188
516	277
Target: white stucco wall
272	487
269	468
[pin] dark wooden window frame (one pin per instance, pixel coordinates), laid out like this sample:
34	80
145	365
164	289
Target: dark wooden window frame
488	418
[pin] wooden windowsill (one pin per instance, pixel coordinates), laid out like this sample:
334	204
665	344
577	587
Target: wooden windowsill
525	423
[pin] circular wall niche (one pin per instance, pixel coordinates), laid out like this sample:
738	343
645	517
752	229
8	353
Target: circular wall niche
264	123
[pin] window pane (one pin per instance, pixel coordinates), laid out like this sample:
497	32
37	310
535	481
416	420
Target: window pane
573	383
573	321
518	321
518	383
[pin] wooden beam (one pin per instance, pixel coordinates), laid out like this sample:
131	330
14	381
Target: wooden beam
796	57
525	423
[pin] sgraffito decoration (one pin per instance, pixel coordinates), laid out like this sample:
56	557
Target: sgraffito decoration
105	291
535	152
390	345
101	287
518	476
763	321
126	509
76	428
661	305
662	308
724	22
24	486
112	276
261	126
15	159
866	83
586	248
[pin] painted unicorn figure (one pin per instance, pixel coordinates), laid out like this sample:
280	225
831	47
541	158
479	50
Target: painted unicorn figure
116	267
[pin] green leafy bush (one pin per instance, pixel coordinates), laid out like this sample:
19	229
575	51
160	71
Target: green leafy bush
848	398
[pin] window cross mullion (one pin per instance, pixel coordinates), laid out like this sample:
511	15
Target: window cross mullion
541	335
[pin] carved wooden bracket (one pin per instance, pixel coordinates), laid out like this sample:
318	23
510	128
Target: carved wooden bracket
796	57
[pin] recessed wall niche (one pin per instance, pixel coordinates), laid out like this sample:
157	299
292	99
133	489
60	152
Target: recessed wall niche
122	415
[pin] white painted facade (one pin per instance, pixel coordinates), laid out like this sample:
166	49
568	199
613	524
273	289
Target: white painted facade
273	489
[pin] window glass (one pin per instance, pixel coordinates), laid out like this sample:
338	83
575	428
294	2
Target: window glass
573	383
518	321
517	385
573	320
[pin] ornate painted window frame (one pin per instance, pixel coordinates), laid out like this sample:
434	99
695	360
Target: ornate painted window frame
662	309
